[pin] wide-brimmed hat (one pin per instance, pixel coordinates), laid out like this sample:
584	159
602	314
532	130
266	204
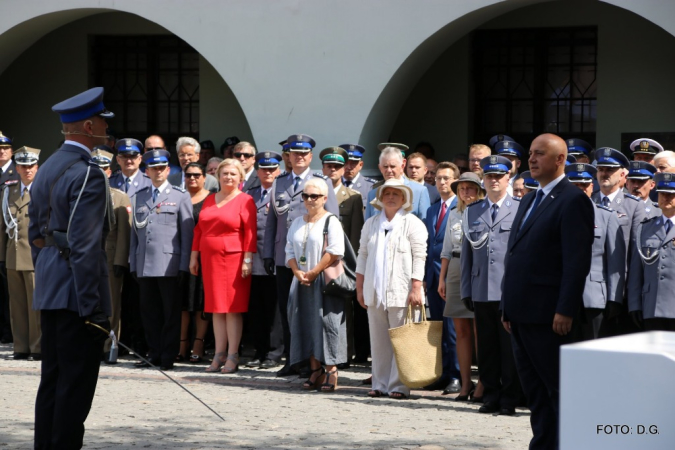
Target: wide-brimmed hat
397	184
469	177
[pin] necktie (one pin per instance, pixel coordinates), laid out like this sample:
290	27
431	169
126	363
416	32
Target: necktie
669	225
441	216
605	202
348	183
24	193
127	183
264	194
155	194
296	182
539	197
495	210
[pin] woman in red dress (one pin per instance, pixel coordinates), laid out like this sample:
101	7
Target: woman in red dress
225	238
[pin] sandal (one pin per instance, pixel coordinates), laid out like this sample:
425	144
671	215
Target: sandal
397	395
375	393
216	364
194	358
328	387
309	384
234	357
179	357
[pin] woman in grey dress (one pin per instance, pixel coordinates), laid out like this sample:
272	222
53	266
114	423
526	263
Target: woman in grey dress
317	322
468	190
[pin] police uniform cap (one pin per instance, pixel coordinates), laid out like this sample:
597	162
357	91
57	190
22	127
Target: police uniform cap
102	155
208	145
156	158
83	106
609	157
578	147
335	155
355	151
570	159
26	156
300	143
509	148
499	138
665	182
581	172
128	145
232	140
641	170
645	146
495	164
268	160
404	148
528	181
5	141
284	146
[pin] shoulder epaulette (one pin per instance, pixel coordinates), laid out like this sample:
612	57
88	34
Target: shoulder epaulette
11	182
656	205
283	174
631	196
372	180
606	208
145	188
378	184
517	198
320	175
116	172
475	203
178	188
649	219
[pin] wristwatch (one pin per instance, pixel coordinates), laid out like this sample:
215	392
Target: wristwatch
247	260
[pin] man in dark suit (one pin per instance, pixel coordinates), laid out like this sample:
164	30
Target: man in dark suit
245	153
547	261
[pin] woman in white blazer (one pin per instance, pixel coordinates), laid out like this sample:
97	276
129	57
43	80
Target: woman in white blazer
389	274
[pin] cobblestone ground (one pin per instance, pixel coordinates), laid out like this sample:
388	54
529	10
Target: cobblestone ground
140	408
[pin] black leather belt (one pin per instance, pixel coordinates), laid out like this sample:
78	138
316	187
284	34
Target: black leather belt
456	254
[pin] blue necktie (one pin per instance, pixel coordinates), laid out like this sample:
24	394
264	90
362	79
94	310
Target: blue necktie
537	199
495	210
264	194
296	182
127	183
348	183
155	194
605	202
669	225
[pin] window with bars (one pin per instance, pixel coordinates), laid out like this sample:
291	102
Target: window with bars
151	84
532	81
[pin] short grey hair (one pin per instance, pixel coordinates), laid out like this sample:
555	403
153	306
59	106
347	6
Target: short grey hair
243	145
215	159
186	140
668	155
391	152
317	183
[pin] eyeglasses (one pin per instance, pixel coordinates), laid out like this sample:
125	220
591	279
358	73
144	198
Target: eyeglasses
245	155
186	155
193	175
305	197
149	149
475	160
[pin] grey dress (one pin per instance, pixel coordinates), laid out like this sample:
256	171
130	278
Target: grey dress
452	243
317	322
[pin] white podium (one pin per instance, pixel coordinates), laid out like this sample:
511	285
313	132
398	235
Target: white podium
618	393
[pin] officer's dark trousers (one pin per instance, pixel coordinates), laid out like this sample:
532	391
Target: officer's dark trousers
70	362
537	353
449	340
132	331
659	324
5	318
496	365
284	279
261	310
160	309
361	331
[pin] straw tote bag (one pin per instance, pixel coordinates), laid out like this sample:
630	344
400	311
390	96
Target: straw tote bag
417	348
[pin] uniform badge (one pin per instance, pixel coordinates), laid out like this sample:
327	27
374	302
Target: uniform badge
667	177
508	203
580	167
351	147
493	160
644	145
128	142
608	152
636	165
500	137
267	155
155	153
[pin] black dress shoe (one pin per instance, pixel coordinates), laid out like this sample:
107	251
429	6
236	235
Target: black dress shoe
475	399
453	387
343	366
360	359
437	385
35	357
166	367
506	411
255	362
19	356
268	364
286	371
489	408
143	364
304	372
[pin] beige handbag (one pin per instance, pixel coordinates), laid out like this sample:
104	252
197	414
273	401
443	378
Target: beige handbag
417	348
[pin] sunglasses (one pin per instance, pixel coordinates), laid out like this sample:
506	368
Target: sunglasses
149	149
193	175
311	196
245	155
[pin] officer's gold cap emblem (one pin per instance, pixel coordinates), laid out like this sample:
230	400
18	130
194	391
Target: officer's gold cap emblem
644	145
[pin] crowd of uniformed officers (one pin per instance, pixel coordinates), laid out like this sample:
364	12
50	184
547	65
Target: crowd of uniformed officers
468	206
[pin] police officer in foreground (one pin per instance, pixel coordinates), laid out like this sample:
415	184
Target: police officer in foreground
116	246
161	243
288	205
640	183
652	267
15	256
71	290
352	177
606	281
487	227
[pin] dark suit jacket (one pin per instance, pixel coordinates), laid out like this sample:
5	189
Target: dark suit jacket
434	196
432	268
252	182
548	259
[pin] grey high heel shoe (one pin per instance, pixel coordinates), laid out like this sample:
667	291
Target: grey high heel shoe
234	357
216	364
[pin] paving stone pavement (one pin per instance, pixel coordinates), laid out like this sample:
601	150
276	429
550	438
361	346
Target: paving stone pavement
140	408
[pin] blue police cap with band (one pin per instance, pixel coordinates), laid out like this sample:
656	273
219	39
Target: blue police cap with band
509	148
26	156
5	141
528	181
609	157
495	164
268	160
102	155
645	146
334	155
641	170
300	143
581	172
156	158
570	159
83	106
578	147
354	151
284	146
129	145
499	138
665	182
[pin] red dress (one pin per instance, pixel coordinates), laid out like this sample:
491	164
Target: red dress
222	235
